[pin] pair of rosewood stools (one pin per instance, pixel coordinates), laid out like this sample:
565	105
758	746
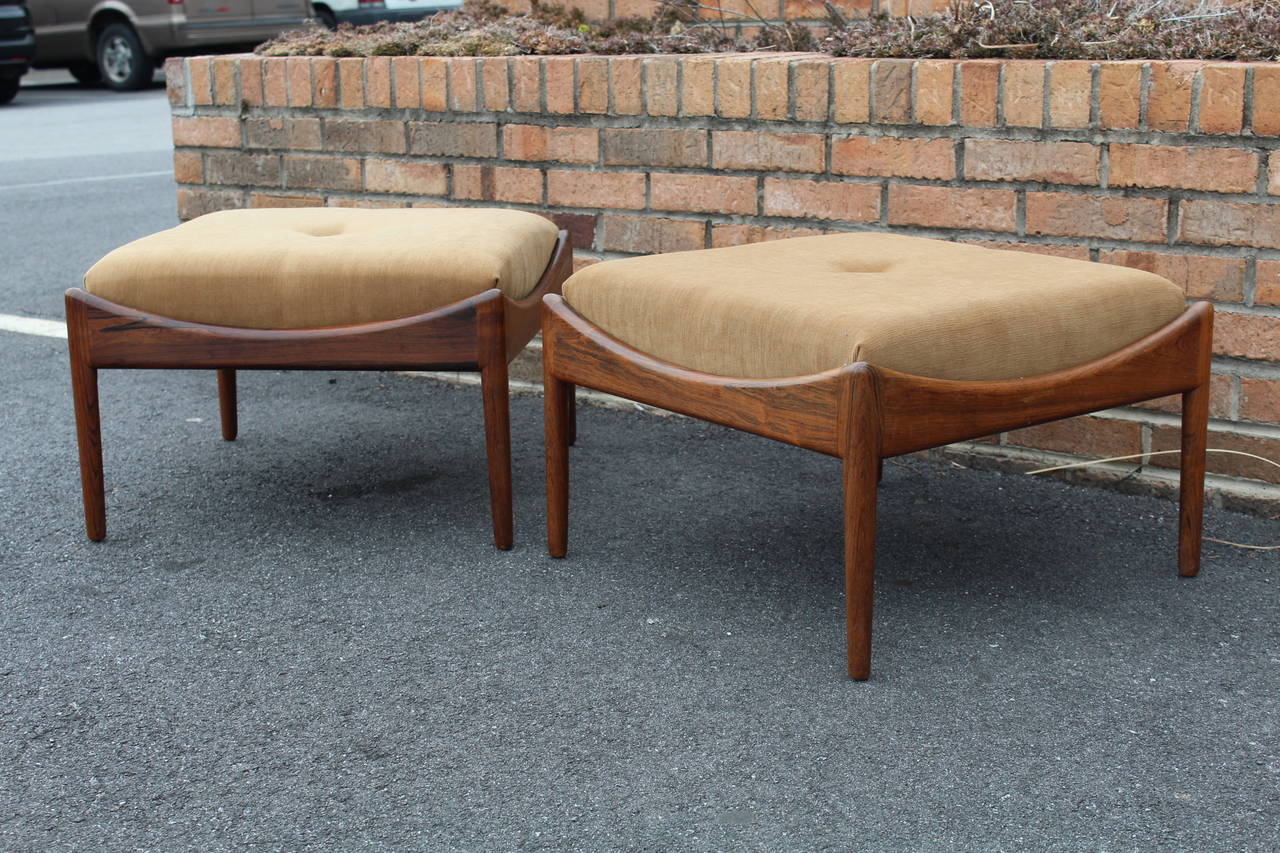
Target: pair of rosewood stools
861	346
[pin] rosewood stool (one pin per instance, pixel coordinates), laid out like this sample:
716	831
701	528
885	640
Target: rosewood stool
318	289
866	346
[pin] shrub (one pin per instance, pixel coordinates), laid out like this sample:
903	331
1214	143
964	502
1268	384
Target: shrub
1040	29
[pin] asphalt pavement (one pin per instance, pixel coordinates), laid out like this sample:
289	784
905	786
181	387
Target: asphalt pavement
303	640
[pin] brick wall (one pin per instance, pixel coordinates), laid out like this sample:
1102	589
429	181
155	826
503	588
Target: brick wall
1166	166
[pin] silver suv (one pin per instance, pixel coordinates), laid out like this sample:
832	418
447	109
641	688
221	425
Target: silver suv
120	41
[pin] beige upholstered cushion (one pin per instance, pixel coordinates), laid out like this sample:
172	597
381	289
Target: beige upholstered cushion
926	307
312	267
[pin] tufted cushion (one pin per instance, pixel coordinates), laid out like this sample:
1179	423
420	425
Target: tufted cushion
290	268
925	307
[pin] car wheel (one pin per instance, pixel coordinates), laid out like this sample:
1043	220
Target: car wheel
122	61
86	73
9	88
326	17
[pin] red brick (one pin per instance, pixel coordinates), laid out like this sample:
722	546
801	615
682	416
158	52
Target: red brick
1024	94
1076	253
404	177
654	147
1051	162
1199	276
1119	94
581	227
1219	399
1230	465
381	136
737	235
808	199
197	202
1221	102
625	76
497	183
593	85
201	80
324	82
447	139
662	94
852	78
433	80
282	133
1266	99
770	84
284	200
1229	223
873	156
251	81
259	170
1267	284
935	91
298	80
188	167
702	193
811	84
225	91
1228	170
1086	436
1169	95
351	83
891	91
1246	336
275	84
559	76
1260	400
526	84
1070	91
408	74
463	90
377	81
206	131
952	207
622	190
646	235
980	82
698	86
733	87
560	144
782	152
1071	215
175	75
496	94
322	173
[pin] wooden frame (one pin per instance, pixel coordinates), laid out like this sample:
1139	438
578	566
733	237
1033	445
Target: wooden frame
863	414
482	333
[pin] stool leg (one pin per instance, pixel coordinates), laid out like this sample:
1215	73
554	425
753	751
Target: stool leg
227	404
556	397
861	431
1195	434
84	392
497	441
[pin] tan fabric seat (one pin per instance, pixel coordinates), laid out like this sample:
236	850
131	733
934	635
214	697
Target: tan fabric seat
316	267
926	307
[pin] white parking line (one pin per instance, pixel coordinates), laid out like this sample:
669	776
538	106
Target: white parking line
33	326
90	179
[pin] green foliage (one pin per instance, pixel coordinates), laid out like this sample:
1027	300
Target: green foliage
1040	29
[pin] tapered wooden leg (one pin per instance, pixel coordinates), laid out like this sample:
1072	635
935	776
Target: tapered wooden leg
571	412
861	476
84	392
497	440
556	394
1195	434
227	404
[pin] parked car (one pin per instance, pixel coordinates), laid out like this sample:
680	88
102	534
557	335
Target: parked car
356	12
120	41
17	46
